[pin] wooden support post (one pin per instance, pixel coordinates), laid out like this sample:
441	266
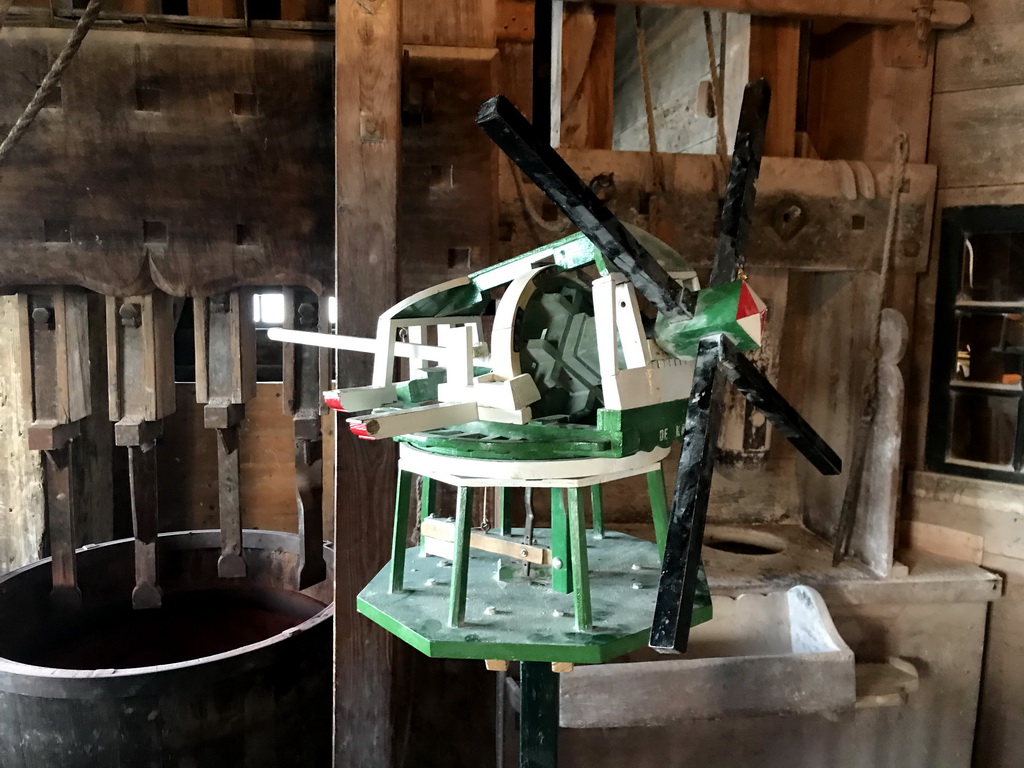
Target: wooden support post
580	565
145	524
561	562
140	365
56	394
225	343
460	564
659	507
367	142
588	76
597	509
60	507
775	56
547	70
538	729
305	379
402	500
231	563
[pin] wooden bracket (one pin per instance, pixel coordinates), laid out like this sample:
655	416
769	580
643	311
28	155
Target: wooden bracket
225	342
305	379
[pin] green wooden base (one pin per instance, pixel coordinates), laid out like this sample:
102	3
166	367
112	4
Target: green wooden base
515	617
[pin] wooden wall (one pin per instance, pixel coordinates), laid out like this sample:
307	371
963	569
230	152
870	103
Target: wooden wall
188	466
22	514
978	145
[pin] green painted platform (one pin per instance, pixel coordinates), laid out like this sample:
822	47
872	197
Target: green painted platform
521	618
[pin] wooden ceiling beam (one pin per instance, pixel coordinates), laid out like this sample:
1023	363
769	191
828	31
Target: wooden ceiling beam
946	14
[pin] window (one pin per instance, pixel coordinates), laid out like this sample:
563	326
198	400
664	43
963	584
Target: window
267	312
976	411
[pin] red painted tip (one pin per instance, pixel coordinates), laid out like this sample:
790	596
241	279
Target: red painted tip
335	403
746	305
358	428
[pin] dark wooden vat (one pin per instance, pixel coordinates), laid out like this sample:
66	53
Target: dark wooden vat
226	674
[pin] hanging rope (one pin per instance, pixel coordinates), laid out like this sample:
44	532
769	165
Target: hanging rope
899	177
865	429
657	169
52	79
717	89
534	217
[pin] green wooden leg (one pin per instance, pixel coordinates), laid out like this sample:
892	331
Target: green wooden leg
659	507
561	578
580	567
428	505
401	526
460	565
428	492
503	501
597	509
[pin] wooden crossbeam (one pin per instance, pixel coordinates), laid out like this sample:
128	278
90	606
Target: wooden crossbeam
946	14
443	531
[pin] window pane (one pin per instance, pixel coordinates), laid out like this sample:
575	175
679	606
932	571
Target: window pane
984	428
993	268
272	308
989	348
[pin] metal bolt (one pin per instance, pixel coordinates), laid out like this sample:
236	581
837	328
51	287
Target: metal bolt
131	315
430	582
445	564
558	614
42	316
556	563
524	552
490	610
307	315
637	585
634	567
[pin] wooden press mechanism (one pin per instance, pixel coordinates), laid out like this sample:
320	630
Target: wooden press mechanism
141	395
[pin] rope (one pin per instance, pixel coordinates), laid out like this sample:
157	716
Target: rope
717	91
52	79
533	216
899	175
657	169
851	496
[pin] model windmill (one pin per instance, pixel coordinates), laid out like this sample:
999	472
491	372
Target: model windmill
542	372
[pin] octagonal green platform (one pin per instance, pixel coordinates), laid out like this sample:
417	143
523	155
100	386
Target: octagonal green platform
521	618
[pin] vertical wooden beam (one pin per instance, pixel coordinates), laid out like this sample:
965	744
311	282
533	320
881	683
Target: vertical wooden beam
22	498
588	76
367	141
775	56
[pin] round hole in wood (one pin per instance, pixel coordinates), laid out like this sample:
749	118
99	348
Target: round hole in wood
743	541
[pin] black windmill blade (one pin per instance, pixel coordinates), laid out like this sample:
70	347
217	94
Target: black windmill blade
738	202
512	132
717	360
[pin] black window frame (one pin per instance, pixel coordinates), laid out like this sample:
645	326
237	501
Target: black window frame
958	223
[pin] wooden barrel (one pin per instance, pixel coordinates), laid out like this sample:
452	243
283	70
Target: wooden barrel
228	673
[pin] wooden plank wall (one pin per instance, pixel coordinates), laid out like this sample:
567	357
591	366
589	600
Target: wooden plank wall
22	514
267	470
859	96
978	145
22	504
678	61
